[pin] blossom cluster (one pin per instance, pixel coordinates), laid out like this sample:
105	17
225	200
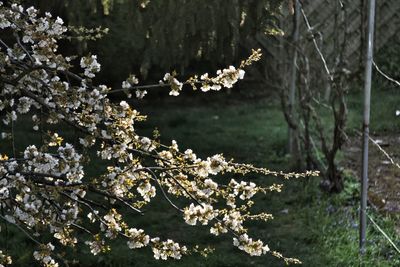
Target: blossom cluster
201	213
90	65
44	255
44	188
254	248
225	78
167	249
4	259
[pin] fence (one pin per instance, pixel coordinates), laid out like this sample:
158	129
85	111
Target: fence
323	15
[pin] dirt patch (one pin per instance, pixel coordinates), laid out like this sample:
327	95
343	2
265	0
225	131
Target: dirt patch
384	176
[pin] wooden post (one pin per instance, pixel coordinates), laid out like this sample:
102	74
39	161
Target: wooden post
367	100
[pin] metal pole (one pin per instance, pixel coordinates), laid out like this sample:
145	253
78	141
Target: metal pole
292	92
367	100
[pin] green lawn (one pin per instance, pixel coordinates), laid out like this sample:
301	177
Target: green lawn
318	229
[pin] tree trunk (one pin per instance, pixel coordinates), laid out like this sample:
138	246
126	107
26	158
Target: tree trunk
335	177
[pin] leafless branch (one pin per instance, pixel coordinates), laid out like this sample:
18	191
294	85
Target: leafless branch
385	75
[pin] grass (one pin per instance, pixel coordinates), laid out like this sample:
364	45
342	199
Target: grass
339	234
384	103
314	227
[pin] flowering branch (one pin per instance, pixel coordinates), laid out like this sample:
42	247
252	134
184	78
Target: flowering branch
45	186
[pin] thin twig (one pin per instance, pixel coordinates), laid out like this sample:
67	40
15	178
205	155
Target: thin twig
186	191
375	142
328	72
384	234
23	47
129	205
82	228
314	146
4	44
13	138
106	194
22	229
385	75
162	190
384	152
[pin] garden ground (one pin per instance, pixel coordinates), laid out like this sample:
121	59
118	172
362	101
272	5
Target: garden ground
319	229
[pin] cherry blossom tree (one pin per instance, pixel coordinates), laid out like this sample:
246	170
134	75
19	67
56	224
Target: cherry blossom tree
45	188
